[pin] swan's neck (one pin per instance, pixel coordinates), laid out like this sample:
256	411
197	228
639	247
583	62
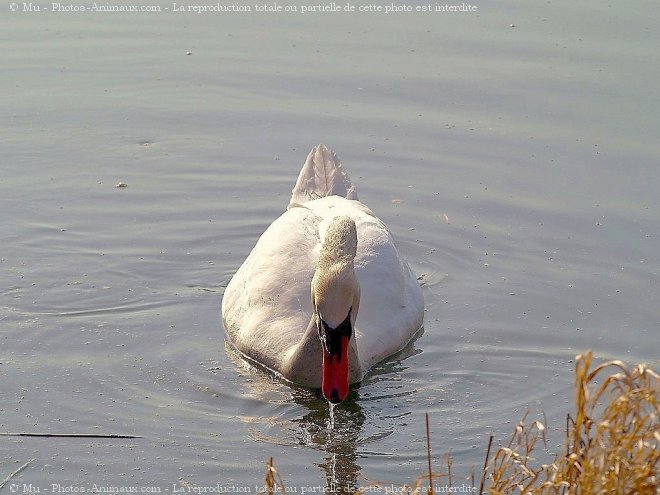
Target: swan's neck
335	296
305	363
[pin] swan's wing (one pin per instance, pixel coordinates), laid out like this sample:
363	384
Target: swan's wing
266	306
322	175
391	301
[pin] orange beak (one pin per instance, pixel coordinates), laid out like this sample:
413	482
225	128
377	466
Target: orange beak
335	384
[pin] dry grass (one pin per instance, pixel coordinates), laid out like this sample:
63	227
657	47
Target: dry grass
611	442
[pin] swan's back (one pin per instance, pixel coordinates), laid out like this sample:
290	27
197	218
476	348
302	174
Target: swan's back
267	306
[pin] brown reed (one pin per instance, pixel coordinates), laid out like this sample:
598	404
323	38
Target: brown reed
611	443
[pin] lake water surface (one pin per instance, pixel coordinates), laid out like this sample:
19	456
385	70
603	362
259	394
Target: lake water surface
512	151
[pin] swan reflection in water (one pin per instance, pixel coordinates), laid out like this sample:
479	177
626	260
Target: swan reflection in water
299	417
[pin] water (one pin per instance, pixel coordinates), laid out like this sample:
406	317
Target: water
517	168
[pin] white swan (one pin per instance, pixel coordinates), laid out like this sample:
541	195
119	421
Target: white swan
365	304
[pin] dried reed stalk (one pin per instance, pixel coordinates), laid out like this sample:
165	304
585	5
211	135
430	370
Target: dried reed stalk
611	445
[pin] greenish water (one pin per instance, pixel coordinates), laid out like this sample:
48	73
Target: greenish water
512	151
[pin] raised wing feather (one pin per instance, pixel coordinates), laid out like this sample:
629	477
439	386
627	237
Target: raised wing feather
321	176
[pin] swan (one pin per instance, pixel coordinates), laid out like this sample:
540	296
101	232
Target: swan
324	294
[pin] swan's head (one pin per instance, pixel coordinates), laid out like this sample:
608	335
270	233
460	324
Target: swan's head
336	298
